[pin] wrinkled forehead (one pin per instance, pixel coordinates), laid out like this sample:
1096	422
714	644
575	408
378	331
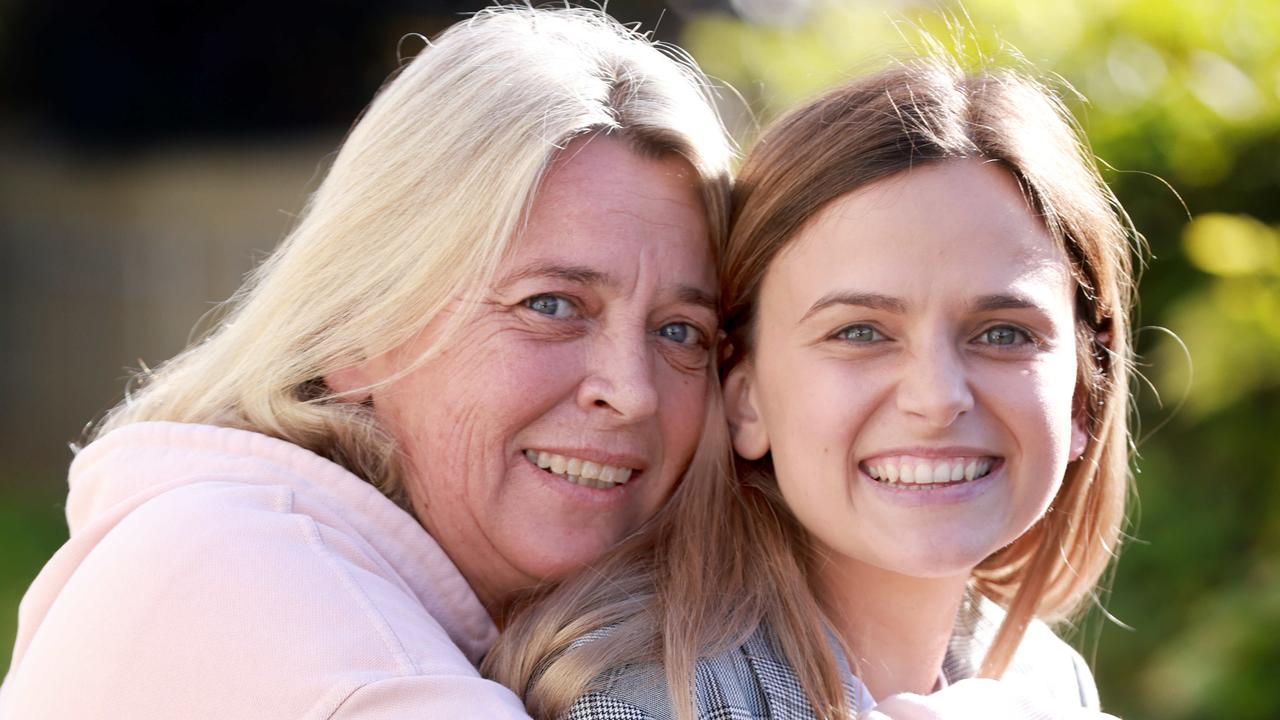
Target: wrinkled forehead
605	167
606	212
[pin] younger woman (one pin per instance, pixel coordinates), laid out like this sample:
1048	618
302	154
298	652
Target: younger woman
926	295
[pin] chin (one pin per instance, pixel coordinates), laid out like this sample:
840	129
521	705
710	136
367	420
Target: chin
561	562
956	561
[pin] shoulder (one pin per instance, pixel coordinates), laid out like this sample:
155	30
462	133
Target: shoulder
748	682
1044	663
232	599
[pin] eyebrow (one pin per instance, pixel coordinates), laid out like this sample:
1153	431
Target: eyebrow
580	274
987	303
691	295
583	275
873	301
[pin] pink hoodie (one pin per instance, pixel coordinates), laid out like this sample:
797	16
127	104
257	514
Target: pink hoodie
219	573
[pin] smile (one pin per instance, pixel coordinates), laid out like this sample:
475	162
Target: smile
579	471
917	473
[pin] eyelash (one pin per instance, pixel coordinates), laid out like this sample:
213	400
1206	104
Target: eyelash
701	334
529	303
876	334
1027	337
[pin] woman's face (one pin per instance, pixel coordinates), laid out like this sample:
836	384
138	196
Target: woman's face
913	371
560	418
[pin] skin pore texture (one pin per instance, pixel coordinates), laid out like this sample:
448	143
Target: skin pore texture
589	356
912	375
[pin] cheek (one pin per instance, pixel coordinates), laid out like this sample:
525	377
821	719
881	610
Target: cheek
1059	391
814	416
439	431
684	410
526	375
462	409
820	405
1041	409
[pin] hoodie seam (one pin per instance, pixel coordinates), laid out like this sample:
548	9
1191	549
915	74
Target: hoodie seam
192	453
386	633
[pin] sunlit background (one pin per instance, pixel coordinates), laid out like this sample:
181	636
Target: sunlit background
150	152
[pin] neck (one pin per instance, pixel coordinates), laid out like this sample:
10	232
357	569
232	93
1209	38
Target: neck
896	626
497	586
502	595
497	605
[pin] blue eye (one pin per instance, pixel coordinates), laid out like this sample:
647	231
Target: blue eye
680	332
550	305
1004	335
859	334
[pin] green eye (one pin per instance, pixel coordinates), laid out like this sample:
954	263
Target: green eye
859	334
1005	335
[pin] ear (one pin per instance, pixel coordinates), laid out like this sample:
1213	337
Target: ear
750	437
1079	436
350	383
1079	414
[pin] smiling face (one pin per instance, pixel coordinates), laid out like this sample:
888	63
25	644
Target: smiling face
560	418
912	371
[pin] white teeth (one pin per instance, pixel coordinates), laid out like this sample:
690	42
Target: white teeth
941	473
917	473
924	473
579	471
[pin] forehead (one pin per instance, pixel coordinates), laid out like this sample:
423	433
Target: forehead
957	229
602	203
608	166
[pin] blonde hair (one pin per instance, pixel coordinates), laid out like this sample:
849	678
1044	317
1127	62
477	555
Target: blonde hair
424	199
727	554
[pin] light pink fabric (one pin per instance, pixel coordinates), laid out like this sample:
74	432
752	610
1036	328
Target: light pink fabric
219	573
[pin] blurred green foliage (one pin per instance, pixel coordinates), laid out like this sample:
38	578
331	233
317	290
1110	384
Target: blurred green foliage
1183	108
32	527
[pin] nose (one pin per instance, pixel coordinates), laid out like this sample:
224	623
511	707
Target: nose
620	377
934	386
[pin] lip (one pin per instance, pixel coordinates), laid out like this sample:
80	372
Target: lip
941	453
637	463
942	494
597	499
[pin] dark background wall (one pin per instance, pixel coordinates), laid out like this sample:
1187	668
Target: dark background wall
149	150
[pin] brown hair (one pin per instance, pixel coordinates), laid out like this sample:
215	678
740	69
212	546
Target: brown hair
726	554
929	112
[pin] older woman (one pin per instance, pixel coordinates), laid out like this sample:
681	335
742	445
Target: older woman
479	361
